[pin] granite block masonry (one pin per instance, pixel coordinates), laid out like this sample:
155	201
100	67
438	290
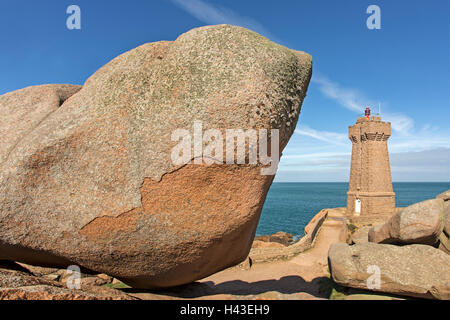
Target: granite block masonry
370	187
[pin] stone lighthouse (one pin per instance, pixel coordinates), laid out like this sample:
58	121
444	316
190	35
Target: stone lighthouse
370	188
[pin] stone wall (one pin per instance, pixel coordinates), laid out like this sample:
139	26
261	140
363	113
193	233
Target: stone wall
258	255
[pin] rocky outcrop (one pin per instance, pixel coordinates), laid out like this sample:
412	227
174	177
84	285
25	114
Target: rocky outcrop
93	183
412	270
16	283
281	237
420	223
444	243
444	195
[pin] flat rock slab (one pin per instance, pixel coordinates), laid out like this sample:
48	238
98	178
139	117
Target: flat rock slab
414	270
17	284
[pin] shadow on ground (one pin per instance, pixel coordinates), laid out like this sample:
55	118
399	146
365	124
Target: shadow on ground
319	287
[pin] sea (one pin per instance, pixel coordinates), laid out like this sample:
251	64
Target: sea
290	206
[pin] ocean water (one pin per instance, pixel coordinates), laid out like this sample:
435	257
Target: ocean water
290	206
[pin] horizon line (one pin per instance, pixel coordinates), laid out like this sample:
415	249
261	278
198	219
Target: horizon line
348	182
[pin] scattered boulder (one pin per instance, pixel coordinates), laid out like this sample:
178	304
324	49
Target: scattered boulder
420	223
444	243
105	277
93	183
93	281
282	237
413	270
262	238
446	197
447	218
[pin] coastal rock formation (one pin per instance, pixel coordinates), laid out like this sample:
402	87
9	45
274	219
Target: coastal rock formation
420	223
413	270
444	238
92	183
281	237
444	195
17	283
444	243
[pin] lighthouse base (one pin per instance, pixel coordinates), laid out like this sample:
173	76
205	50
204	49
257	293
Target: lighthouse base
370	203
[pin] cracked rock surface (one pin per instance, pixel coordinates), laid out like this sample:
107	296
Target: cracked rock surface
86	176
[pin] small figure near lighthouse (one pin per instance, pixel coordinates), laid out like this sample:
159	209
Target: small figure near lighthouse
370	186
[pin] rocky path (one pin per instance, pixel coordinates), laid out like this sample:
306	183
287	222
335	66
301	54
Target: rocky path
301	277
330	232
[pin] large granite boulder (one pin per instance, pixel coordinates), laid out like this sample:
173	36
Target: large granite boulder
93	183
446	197
447	218
444	243
444	238
412	270
420	223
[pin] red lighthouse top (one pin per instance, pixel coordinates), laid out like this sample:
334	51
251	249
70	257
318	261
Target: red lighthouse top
367	113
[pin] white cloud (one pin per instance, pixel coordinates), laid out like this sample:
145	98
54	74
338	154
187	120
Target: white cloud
424	139
401	123
316	155
348	98
355	101
326	136
428	165
210	14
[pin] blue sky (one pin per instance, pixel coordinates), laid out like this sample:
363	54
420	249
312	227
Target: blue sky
403	66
